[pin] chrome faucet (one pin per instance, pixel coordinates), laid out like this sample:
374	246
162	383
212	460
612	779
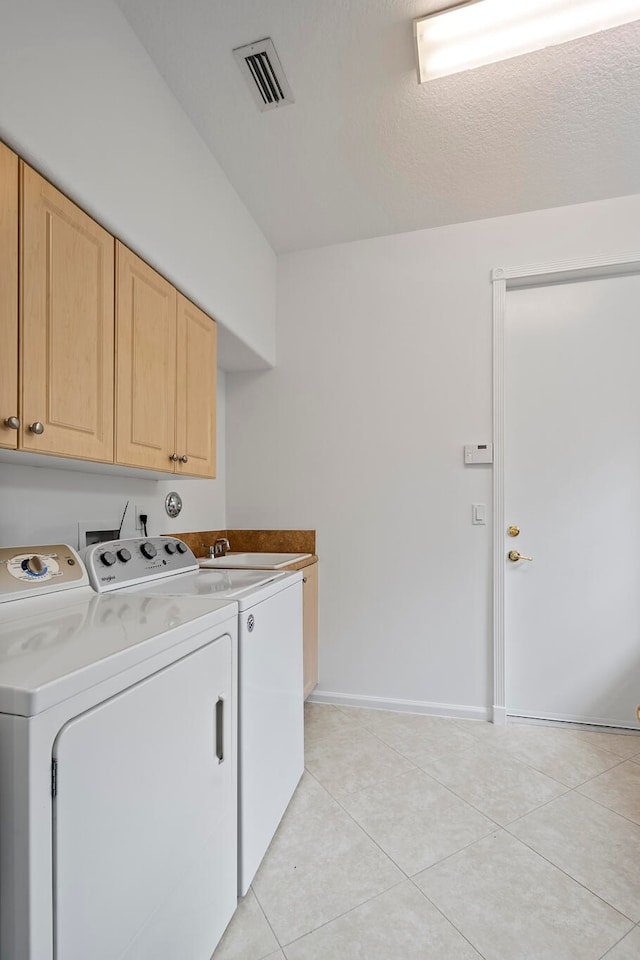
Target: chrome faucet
218	549
221	547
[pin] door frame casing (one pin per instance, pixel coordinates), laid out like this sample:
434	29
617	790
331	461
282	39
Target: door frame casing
504	279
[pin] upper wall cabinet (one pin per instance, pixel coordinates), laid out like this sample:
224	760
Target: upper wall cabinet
9	409
196	391
67	326
87	327
166	374
146	364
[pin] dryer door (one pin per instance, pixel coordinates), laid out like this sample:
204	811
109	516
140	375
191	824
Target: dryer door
145	817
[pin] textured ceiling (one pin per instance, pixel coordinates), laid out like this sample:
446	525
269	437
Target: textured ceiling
366	151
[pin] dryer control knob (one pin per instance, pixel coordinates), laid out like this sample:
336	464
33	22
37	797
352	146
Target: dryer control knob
170	547
148	550
108	558
124	555
181	547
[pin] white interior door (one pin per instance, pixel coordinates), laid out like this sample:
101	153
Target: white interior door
572	486
145	839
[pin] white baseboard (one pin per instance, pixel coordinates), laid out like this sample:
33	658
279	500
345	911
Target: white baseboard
401	706
499	715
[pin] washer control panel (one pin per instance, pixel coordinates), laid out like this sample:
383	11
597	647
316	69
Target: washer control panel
123	563
30	571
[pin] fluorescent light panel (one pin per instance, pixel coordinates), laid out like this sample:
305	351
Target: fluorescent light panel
486	31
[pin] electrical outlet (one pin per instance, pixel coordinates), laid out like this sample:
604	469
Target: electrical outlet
141	509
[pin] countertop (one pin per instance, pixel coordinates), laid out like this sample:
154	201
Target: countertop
257	541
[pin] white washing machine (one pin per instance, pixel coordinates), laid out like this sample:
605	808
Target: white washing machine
118	804
270	677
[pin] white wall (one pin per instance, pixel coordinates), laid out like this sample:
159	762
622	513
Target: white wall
81	100
42	505
384	372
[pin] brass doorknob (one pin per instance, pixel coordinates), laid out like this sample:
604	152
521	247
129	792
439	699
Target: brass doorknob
514	556
513	531
638	714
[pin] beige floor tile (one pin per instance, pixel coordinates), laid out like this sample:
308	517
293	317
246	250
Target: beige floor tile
400	924
514	905
624	745
491	731
279	955
248	936
556	753
416	820
395	720
356	713
495	782
324	720
475	728
504	733
419	738
351	760
628	948
319	865
592	844
618	789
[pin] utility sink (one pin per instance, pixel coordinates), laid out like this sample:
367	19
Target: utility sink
252	561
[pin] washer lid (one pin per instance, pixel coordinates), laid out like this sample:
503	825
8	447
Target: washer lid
57	648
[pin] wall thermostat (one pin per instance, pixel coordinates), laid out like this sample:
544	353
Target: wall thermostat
478	453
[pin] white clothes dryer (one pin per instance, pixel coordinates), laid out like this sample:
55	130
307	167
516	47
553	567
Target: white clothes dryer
270	677
118	807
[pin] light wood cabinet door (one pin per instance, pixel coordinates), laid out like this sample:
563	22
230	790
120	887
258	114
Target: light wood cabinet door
146	364
196	391
310	627
8	295
67	325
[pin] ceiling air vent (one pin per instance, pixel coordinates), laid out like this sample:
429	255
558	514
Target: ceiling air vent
261	65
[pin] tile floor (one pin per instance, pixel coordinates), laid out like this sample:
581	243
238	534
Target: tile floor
421	838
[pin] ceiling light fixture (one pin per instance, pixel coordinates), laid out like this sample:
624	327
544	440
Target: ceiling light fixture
486	31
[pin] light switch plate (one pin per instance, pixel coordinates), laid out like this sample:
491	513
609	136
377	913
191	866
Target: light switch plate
479	514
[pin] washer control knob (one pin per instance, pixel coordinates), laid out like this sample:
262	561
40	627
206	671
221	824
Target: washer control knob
181	547
36	566
148	550
108	558
124	555
170	547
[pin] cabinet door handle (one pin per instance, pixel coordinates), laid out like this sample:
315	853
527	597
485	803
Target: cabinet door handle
13	423
36	427
220	729
304	579
184	459
174	458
